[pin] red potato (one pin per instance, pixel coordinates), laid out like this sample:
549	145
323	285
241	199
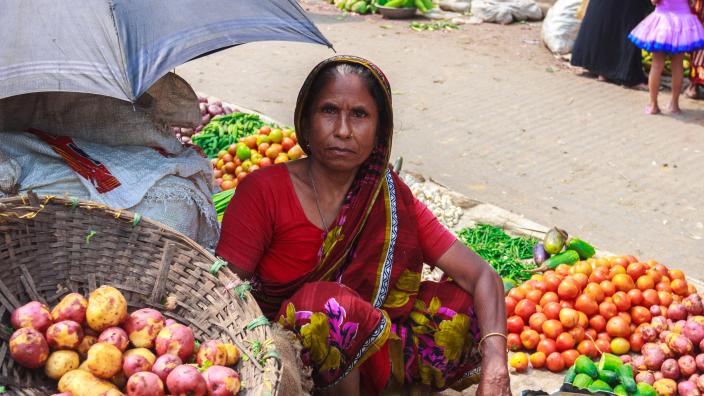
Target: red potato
60	363
653	355
144	352
107	307
645	376
63	394
693	304
649	333
676	311
143	326
186	380
176	339
670	369
29	348
213	352
665	387
164	364
104	360
221	381
87	342
116	336
699	361
233	354
658	376
687	388
694	331
33	314
64	335
144	384
679	344
639	363
169	322
700	383
135	363
72	307
659	323
687	365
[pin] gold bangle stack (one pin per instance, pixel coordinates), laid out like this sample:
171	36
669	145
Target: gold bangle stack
481	341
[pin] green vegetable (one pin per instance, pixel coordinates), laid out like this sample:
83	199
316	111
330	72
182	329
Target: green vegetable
645	389
360	7
505	254
567	257
554	240
571	374
599	385
609	362
625	376
608	376
584	249
508	284
584	365
395	3
221	200
225	130
420	5
582	381
619	390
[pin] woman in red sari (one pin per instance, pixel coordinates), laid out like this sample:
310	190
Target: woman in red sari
334	246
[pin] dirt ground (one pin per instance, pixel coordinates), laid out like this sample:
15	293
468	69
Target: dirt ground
487	111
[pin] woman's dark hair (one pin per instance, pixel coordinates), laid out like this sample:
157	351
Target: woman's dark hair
340	70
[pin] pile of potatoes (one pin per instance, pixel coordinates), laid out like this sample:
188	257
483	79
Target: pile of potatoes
85	345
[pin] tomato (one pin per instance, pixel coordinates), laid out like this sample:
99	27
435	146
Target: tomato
555	362
616	270
530	339
623	282
603	345
569	356
525	308
691	289
645	282
583	267
541	285
581	280
620	260
598	323
513	342
599	275
664	286
537	360
515	324
578	334
661	269
569	318
636	270
591	333
650	298
608	310
676	274
552	282
586	304
608	288
552	310
620	346
583	320
626	317
517	294
547	346
536	321
622	301
510	305
618	327
552	328
564	342
519	361
568	289
665	298
640	315
679	286
548	297
562	269
636	296
534	295
587	348
594	291
636	342
567	304
529	285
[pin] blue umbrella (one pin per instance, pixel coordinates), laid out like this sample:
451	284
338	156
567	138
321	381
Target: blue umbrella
120	48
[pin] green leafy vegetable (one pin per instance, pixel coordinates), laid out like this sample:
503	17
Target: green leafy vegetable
225	130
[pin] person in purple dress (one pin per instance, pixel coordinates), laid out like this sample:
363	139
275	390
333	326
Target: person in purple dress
671	29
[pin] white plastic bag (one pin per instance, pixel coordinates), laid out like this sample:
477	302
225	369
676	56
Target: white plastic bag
561	26
506	11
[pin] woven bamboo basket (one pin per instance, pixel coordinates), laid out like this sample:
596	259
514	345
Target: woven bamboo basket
52	246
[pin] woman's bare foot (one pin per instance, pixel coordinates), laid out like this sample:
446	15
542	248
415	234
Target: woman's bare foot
652	109
639	87
691	92
674	109
602	78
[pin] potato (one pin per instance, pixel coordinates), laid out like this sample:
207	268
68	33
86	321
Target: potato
135	363
144	352
145	384
83	383
62	394
186	380
119	380
115	336
213	352
169	322
33	314
233	354
71	307
66	334
165	364
107	307
29	348
143	326
87	342
60	363
221	381
104	360
176	339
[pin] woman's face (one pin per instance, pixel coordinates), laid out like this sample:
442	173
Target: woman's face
343	123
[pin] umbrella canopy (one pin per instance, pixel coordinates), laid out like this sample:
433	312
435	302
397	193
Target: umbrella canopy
120	48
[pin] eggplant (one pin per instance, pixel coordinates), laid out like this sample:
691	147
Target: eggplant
539	253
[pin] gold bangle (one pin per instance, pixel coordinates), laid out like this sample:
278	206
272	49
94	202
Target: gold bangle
481	341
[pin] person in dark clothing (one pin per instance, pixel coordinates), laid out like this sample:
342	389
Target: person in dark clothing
602	45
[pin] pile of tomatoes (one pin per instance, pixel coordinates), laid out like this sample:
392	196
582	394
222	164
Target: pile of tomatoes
592	307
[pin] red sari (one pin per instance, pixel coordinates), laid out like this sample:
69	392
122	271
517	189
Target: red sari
361	302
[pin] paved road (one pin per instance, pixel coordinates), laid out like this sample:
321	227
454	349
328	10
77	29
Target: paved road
490	113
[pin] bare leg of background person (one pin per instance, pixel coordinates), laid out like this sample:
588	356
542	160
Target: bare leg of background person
677	76
654	82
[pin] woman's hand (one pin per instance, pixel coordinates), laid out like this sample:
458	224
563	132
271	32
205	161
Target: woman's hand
494	379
